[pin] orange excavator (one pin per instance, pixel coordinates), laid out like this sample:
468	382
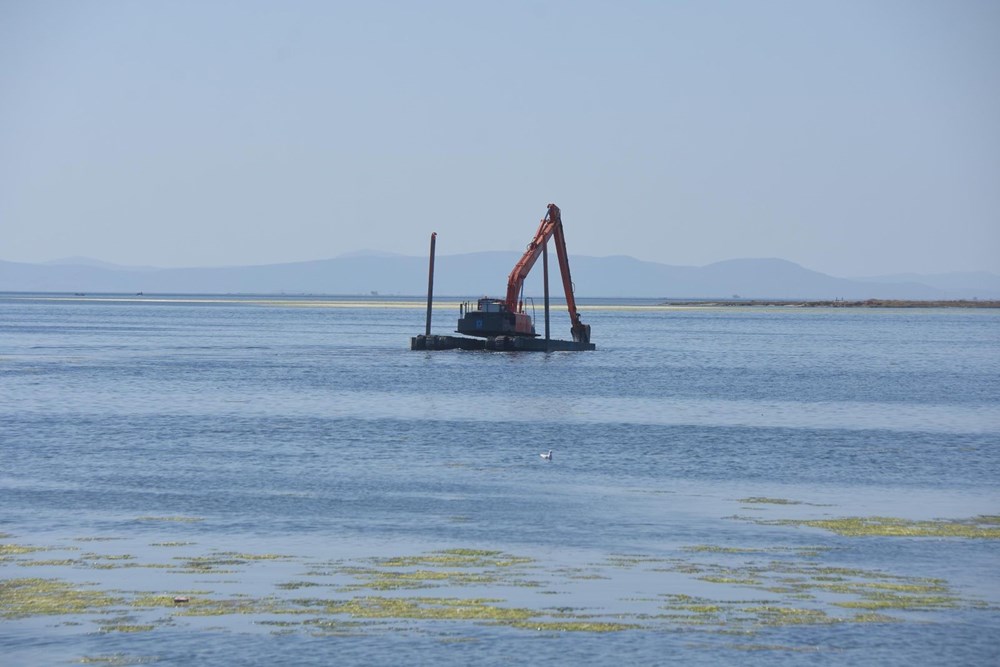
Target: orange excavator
495	317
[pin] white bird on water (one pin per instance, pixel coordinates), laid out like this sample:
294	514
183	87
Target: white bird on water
547	456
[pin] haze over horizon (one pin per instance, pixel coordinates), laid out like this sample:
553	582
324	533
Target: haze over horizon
365	253
852	138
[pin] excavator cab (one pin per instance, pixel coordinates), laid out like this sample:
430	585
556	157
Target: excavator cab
492	317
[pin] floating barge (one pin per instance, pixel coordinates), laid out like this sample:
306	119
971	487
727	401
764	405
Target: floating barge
502	325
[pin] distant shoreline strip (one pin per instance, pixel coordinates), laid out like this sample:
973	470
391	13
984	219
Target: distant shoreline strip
417	303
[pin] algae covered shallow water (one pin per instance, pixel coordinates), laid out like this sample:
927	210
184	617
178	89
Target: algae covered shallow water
255	481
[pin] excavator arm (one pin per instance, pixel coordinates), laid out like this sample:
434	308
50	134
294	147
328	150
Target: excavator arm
550	227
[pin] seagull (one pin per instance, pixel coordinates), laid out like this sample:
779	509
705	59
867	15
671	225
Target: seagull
548	456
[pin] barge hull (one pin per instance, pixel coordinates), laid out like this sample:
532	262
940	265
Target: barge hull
498	344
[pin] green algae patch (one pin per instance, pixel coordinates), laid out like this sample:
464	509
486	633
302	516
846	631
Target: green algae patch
876	588
218	562
800	552
234	606
739	616
51	562
739	581
872	617
475	553
97	539
781	615
711	548
628	561
982	527
771	647
825	589
148	600
296	585
386	580
253	557
192	605
450	567
336	627
466	558
874	600
116	659
95	561
8	550
761	500
126	627
22	598
425	608
574	626
750	617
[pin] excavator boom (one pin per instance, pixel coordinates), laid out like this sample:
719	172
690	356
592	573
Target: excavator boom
549	227
523	267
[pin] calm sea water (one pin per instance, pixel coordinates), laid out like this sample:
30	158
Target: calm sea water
137	435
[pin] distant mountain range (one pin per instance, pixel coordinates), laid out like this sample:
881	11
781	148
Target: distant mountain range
485	273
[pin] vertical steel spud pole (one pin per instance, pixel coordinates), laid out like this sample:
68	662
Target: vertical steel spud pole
430	285
545	280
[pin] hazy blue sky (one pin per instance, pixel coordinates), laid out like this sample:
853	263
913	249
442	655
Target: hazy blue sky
853	137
